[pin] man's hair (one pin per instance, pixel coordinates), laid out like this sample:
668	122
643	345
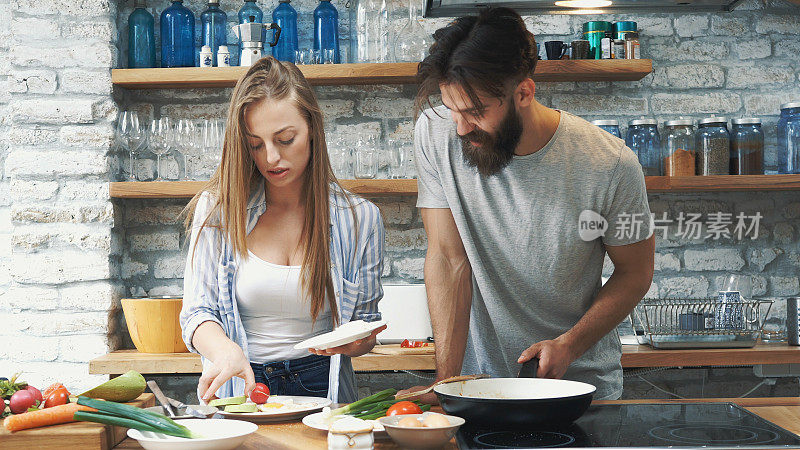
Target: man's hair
485	53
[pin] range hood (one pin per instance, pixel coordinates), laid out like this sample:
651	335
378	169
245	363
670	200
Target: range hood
458	8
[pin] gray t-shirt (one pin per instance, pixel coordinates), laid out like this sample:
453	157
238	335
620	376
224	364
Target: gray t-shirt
534	276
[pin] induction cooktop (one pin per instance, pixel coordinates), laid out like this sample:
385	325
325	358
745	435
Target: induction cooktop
646	426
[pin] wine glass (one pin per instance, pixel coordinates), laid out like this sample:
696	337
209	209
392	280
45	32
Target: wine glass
396	159
185	132
161	139
131	135
212	135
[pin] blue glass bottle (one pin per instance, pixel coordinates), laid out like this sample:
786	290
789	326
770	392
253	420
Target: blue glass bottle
326	28
214	26
141	40
286	18
250	13
789	139
177	36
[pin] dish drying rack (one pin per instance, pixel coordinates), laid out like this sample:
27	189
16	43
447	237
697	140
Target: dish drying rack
699	323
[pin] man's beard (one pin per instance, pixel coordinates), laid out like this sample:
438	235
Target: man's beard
494	151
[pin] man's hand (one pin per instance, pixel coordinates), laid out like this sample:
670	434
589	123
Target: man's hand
429	398
555	356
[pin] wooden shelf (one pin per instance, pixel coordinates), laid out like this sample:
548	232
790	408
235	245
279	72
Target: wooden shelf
186	189
373	73
633	356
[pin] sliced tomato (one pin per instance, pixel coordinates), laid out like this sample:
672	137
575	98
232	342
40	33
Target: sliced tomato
405	407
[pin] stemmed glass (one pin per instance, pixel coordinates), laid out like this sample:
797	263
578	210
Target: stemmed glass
212	134
185	133
131	135
161	139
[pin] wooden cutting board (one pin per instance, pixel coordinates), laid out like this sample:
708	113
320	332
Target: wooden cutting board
395	349
79	435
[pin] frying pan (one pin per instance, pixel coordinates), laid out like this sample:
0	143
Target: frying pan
516	402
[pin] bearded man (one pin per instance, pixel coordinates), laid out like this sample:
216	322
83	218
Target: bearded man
505	184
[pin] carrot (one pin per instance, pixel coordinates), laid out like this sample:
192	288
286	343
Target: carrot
44	417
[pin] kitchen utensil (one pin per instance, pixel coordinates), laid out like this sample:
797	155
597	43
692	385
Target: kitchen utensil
555	49
198	411
345	334
301	406
515	402
423	437
250	34
161	398
153	324
529	368
657	322
446	380
580	49
218	434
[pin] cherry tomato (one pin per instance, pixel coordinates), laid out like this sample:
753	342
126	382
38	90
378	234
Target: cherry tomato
405	407
59	397
260	394
53	388
37	394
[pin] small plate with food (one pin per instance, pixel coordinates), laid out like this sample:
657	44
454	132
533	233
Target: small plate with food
276	408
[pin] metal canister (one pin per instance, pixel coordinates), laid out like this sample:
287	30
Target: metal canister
621	29
594	32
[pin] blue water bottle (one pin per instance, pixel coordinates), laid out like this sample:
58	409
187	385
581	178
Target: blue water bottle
286	18
177	36
214	26
250	13
326	27
141	40
789	139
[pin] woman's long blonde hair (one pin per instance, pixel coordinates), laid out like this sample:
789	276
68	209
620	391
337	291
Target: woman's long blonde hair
237	175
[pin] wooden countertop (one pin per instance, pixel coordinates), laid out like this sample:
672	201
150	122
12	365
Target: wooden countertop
784	412
633	356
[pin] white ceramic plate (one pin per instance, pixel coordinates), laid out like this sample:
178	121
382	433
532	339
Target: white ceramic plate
300	406
317	422
345	334
515	388
218	434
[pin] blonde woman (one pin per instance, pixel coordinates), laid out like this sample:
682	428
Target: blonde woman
279	252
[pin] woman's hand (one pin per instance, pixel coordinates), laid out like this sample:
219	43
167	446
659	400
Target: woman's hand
353	349
233	364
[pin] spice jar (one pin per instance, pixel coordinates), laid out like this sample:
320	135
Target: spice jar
612	126
350	433
747	147
789	138
713	146
644	140
632	46
679	153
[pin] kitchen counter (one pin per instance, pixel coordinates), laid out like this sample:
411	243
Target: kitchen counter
633	356
784	412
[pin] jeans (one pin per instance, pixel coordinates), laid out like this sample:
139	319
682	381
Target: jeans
307	376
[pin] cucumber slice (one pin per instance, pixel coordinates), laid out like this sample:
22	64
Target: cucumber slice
228	401
243	408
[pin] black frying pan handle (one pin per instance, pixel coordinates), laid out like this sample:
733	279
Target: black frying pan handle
529	368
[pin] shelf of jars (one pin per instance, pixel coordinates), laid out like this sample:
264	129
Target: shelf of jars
186	189
373	73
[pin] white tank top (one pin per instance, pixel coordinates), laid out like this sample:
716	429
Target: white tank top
275	313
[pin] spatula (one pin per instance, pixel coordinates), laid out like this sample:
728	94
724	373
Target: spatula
446	380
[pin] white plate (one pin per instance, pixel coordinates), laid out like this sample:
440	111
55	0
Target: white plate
308	404
218	434
345	334
317	422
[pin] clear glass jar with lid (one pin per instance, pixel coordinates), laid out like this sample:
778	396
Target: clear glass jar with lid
789	139
644	140
713	146
747	147
679	148
612	126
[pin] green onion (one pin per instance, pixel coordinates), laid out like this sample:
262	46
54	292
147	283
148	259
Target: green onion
108	419
161	423
360	404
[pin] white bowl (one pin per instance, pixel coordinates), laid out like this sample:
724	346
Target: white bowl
423	437
218	434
